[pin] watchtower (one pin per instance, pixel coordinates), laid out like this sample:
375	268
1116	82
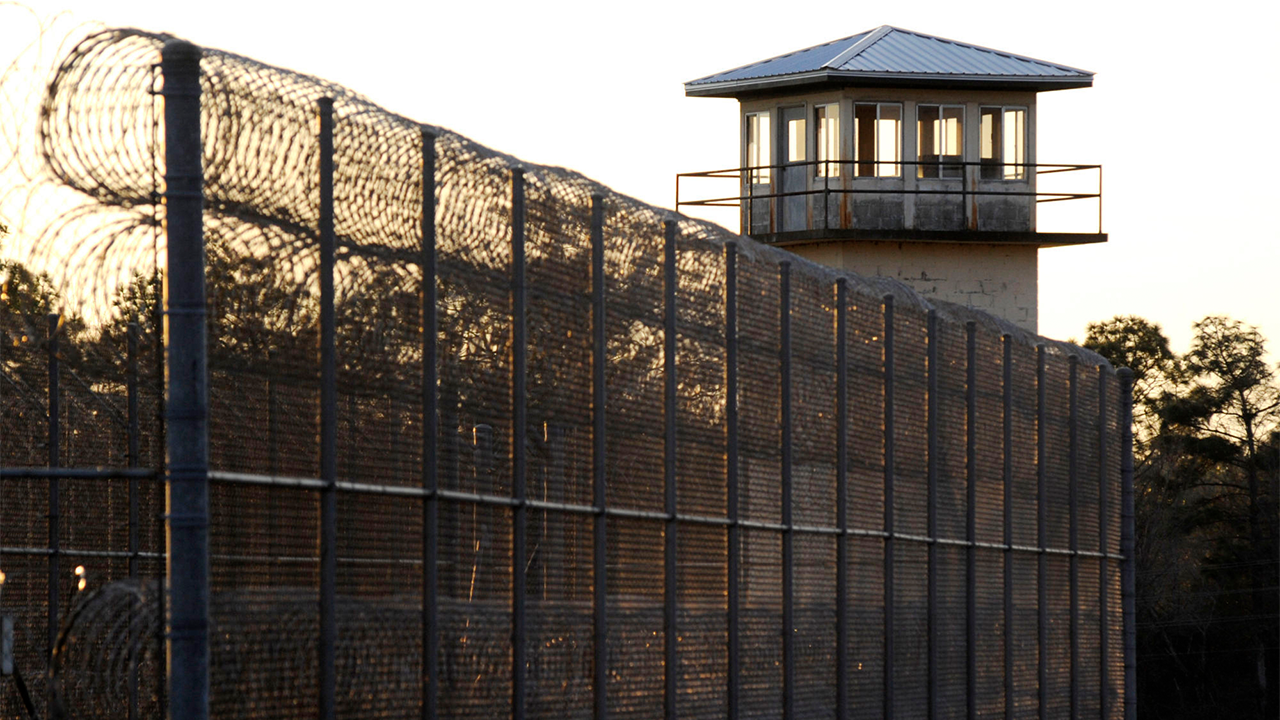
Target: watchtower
901	154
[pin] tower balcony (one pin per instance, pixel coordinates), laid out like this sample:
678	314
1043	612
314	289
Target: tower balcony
948	201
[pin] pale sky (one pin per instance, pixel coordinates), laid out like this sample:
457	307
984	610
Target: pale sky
1178	114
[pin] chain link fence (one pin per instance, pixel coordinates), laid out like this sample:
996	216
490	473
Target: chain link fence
486	439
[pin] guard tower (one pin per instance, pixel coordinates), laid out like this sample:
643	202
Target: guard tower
901	154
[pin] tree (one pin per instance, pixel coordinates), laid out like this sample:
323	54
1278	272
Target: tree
1140	345
1207	425
27	298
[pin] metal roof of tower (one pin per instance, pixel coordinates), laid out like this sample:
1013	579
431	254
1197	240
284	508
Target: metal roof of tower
890	56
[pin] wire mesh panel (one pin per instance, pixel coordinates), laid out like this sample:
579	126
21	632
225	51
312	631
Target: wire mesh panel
1024	622
950	507
635	618
549	493
910	514
761	624
702	621
989	526
866	506
25	502
814	492
1057	514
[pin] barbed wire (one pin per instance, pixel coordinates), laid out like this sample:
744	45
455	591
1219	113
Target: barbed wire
98	120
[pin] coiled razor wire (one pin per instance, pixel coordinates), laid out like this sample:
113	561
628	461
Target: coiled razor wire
99	120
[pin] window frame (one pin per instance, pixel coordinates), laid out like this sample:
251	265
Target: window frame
875	164
941	167
1019	167
826	168
759	173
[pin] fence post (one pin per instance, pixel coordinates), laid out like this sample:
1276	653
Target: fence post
1006	341
788	537
931	472
971	517
328	426
1042	535
1073	509
131	390
731	466
670	635
188	405
600	460
55	432
430	436
519	432
1127	545
1104	547
842	504
160	676
888	507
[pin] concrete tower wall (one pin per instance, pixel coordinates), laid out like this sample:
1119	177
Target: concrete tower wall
999	279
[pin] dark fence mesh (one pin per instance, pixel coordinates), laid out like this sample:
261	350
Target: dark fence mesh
99	128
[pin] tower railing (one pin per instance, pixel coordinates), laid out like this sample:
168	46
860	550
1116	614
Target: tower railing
827	183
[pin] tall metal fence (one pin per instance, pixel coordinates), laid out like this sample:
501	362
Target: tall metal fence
442	435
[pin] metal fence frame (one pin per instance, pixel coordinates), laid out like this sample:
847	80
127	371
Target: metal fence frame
188	476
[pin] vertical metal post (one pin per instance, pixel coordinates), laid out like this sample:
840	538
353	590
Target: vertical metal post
188	403
1073	508
131	390
670	636
55	432
599	446
1042	534
1104	547
842	504
1099	198
888	507
971	517
430	437
519	440
160	674
1127	545
1006	341
328	427
788	538
731	466
931	472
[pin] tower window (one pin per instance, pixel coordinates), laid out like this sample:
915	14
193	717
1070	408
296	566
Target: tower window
1004	132
877	139
826	123
758	153
941	141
